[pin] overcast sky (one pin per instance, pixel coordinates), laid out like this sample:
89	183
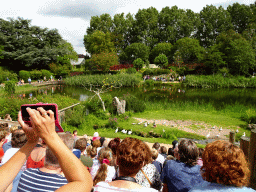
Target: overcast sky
72	17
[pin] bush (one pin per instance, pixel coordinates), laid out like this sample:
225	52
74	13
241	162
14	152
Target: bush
161	60
75	116
131	70
24	75
9	87
46	73
134	104
35	74
249	116
138	63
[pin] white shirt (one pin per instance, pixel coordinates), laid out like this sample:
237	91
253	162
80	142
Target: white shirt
160	158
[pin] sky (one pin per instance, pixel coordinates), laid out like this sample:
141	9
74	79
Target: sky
72	17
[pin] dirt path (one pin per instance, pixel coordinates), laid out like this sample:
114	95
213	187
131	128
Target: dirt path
192	127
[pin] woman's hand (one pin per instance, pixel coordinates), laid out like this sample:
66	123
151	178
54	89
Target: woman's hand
42	123
29	131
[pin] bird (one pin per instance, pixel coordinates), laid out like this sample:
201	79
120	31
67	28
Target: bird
130	132
218	135
237	131
133	123
145	124
221	129
163	130
123	131
213	127
164	122
208	135
139	123
116	130
244	134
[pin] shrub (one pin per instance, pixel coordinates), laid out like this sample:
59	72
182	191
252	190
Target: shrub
46	73
134	104
138	63
9	87
24	75
131	70
103	61
161	60
249	116
35	74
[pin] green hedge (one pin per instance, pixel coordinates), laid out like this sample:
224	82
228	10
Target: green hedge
24	75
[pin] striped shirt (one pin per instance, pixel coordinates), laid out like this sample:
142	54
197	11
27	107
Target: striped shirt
36	180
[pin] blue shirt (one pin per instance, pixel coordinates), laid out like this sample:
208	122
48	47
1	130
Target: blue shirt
215	187
180	177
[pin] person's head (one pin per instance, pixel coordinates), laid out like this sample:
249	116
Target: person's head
154	153
163	150
113	144
131	155
3	134
75	132
7	116
170	151
91	151
104	158
156	146
200	152
102	139
188	152
96	143
174	143
225	163
96	136
81	144
19	138
105	143
50	158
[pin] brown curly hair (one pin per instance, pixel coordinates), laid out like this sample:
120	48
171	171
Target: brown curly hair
188	152
104	153
225	163
113	144
131	154
81	144
96	143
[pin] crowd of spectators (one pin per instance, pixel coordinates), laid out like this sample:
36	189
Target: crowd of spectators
38	159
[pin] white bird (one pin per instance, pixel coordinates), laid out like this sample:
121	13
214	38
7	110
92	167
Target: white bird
145	124
221	129
163	130
133	123
244	134
218	135
164	122
148	123
237	131
139	123
213	127
116	130
208	135
123	131
130	132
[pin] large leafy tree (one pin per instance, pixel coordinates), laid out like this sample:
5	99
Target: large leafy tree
189	50
26	46
102	23
175	23
238	52
134	51
241	15
99	42
103	61
213	21
161	48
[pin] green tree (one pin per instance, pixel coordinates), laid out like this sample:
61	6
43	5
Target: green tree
213	21
238	52
138	63
99	42
135	51
102	23
241	16
189	50
161	60
103	61
161	48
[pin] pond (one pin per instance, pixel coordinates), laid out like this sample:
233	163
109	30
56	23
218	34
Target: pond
219	98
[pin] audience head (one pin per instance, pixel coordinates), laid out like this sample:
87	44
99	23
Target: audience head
174	143
81	144
156	146
154	153
131	155
50	158
102	139
3	134
91	151
7	116
188	152
18	138
106	142
163	150
200	152
170	152
104	157
95	136
113	144
75	132
96	143
225	163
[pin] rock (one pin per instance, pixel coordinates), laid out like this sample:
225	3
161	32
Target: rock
120	105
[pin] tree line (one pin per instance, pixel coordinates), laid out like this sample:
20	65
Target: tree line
222	39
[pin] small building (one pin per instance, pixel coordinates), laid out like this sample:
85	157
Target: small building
79	62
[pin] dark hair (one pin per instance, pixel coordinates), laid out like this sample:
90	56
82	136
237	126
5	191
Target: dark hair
163	150
19	138
156	146
174	143
131	154
81	144
200	152
75	131
102	139
171	151
188	152
113	144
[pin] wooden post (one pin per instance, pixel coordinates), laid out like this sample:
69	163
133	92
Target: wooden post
252	160
244	145
232	136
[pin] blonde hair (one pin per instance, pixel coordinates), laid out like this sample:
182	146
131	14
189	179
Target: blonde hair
104	153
